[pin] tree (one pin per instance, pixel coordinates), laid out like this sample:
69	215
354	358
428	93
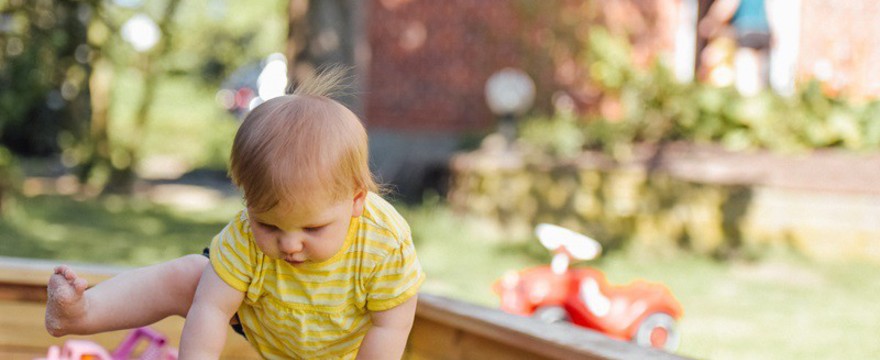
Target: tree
60	73
122	175
44	72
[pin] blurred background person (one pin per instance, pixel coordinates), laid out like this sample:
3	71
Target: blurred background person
746	21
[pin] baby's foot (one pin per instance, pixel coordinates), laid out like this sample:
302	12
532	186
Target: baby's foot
66	304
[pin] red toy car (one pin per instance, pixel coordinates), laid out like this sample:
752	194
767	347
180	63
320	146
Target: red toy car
643	312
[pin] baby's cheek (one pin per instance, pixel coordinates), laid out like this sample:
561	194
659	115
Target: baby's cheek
264	242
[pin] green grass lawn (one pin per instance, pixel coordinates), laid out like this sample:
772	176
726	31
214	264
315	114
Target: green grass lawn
114	230
782	307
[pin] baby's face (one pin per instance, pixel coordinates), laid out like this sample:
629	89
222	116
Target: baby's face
298	236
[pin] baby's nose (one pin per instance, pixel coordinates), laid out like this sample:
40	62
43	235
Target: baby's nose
290	244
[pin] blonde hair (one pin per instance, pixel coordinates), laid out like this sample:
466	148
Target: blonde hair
302	149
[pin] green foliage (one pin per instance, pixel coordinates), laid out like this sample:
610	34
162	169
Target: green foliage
50	50
7	164
43	69
622	207
558	136
9	174
209	48
648	105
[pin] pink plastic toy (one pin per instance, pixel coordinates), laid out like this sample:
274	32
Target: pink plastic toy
157	348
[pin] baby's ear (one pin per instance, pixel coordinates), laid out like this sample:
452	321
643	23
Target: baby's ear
360	199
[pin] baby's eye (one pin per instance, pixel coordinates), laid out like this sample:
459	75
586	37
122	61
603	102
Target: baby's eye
313	229
268	226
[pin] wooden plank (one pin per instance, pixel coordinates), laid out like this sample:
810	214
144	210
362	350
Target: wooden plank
21	353
22	303
22	331
37	271
554	341
25	279
20	292
433	340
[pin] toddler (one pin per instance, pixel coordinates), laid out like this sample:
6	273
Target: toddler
316	266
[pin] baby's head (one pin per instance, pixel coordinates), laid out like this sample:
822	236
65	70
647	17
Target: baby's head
302	150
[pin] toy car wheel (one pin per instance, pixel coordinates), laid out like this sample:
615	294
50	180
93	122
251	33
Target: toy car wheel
551	314
658	330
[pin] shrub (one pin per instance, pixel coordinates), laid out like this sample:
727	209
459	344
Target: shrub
639	105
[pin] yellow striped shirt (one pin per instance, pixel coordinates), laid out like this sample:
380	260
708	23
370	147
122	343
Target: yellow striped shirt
321	310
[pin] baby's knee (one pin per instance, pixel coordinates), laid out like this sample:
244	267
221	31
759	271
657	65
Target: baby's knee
186	271
196	261
189	267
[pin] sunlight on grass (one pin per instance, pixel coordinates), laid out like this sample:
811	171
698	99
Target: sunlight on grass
779	308
114	230
462	258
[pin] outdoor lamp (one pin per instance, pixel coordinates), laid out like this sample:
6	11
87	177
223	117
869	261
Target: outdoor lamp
509	93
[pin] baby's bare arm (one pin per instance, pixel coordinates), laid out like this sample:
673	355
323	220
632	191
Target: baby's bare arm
204	332
720	13
386	339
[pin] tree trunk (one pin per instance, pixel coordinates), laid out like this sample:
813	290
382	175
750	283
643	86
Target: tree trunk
100	83
122	177
326	32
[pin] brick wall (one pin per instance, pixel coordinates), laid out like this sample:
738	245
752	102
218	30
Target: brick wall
430	59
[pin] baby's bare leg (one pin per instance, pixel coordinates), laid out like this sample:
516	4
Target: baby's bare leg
131	299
